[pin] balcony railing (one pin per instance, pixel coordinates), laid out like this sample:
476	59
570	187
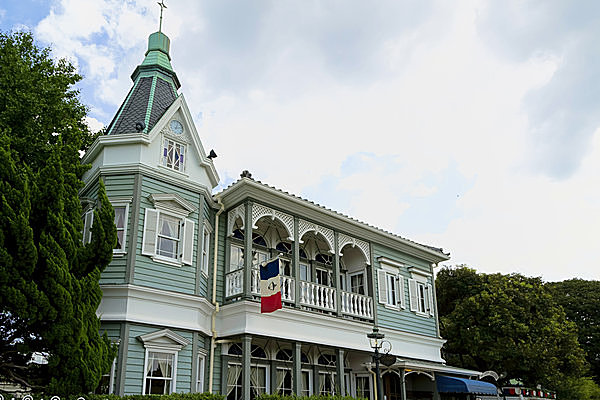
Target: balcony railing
312	295
356	305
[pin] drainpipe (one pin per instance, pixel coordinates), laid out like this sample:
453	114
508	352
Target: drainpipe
374	379
214	301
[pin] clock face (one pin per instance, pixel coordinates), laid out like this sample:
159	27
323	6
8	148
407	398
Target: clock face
176	127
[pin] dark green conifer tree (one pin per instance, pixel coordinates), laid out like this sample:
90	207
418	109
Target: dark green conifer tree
49	287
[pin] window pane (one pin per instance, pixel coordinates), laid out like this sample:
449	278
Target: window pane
236	258
304	273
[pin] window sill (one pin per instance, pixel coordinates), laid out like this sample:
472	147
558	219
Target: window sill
422	314
395	308
167	261
119	253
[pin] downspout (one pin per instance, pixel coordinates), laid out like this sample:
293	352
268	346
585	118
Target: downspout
214	300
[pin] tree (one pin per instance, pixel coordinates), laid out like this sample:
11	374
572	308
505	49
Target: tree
509	324
581	302
49	289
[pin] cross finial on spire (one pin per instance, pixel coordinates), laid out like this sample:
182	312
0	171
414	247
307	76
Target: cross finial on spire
162	7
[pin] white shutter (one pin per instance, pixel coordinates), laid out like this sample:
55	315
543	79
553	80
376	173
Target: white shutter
188	242
150	230
413	294
382	286
88	220
430	298
402	302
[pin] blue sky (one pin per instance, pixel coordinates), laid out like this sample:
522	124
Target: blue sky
470	125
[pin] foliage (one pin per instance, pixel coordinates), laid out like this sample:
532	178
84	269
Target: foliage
578	389
509	324
580	300
49	288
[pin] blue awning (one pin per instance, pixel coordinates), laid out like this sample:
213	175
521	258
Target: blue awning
450	384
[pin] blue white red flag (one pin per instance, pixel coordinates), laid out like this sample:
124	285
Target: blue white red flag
270	287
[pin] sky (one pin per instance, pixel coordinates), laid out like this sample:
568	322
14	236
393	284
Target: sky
468	125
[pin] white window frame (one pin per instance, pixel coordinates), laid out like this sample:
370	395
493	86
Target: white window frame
309	390
152	349
308	272
241	250
364	281
88	221
355	385
205	252
150	244
291	389
389	274
200	377
419	283
163	158
122	203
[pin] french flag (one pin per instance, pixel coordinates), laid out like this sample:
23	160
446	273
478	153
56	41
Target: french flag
270	287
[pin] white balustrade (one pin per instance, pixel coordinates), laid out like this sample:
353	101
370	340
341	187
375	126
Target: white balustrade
234	283
356	305
317	296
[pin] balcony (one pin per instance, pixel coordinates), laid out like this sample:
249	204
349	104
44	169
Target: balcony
312	296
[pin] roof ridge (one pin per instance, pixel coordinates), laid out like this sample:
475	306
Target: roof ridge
246	178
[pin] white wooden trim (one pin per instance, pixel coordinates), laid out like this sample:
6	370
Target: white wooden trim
187	241
149	238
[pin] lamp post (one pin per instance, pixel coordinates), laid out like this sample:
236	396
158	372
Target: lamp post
376	341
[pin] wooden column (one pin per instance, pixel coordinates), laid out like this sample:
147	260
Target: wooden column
246	354
339	369
247	293
297	369
296	262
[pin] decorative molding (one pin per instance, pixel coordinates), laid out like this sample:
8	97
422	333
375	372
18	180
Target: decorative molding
363	246
388	261
239	211
305	226
244	317
164	338
259	211
144	305
171	202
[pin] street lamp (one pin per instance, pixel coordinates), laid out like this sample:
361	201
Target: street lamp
376	341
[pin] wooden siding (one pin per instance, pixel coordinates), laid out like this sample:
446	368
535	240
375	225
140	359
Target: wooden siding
216	370
136	354
221	267
159	275
402	320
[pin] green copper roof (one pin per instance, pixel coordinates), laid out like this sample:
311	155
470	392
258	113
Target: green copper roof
154	89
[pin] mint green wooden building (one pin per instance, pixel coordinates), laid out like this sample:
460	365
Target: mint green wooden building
181	296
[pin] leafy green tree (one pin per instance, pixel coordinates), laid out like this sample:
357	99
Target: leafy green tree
49	288
581	302
509	324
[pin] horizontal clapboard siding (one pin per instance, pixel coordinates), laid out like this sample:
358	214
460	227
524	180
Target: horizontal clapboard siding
150	273
403	320
135	360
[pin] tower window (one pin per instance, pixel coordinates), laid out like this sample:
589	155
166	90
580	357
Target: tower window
173	155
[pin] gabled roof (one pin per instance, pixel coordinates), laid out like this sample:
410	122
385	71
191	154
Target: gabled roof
154	89
246	180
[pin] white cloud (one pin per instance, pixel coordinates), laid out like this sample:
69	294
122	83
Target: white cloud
382	112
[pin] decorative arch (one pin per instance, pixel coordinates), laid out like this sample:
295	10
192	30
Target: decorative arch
305	226
233	215
259	211
430	376
344	240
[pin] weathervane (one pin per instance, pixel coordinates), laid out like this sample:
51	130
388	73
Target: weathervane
162	7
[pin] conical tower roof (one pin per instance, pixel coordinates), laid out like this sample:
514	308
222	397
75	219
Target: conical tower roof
155	86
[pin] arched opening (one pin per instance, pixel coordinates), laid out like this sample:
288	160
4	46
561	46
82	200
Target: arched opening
354	271
316	259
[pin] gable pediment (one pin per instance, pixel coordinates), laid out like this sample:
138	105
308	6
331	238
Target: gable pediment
164	339
172	202
178	111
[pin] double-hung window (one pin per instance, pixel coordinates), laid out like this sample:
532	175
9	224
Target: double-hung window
390	287
168	234
421	294
206	231
121	213
159	373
